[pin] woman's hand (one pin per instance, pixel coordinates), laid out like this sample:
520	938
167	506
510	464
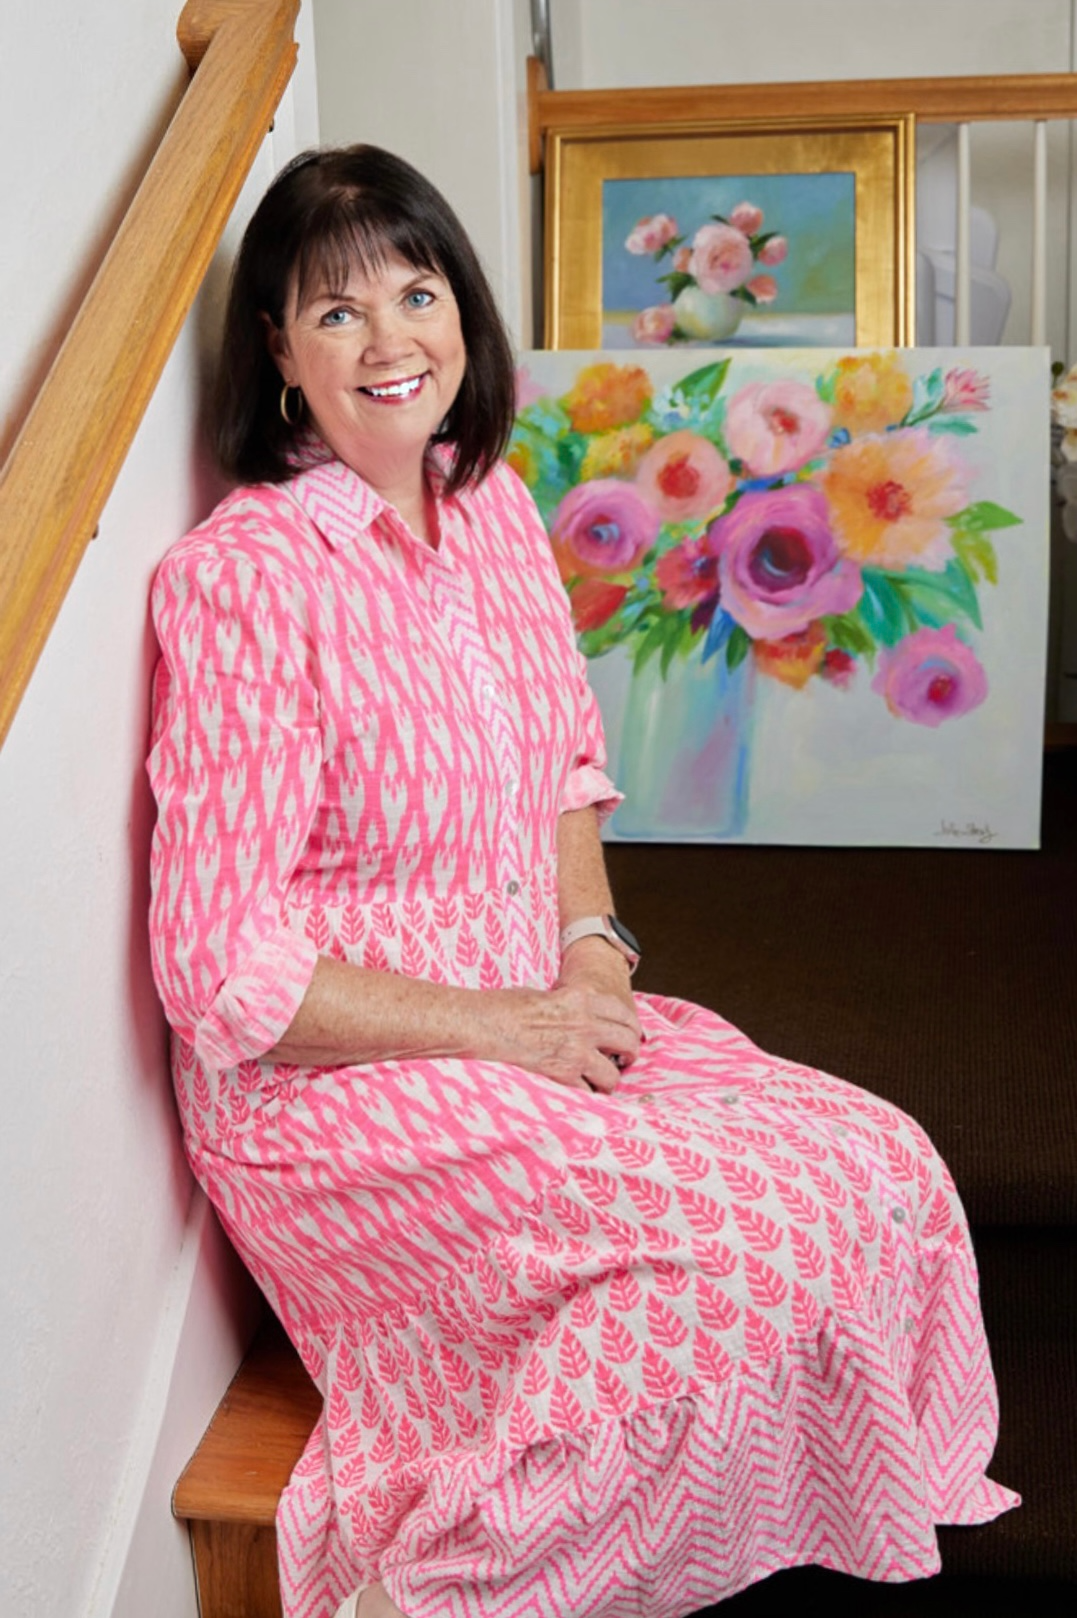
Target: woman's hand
580	1033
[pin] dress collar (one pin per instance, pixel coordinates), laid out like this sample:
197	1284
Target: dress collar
339	503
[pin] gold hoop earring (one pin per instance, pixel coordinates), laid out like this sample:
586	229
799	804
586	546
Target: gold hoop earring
284	392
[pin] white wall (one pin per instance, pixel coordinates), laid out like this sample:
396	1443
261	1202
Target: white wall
442	86
122	1314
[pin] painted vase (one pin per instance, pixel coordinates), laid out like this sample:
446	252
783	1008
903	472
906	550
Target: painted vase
685	751
712	316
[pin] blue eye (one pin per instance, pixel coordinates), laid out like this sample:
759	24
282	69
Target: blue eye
419	298
335	317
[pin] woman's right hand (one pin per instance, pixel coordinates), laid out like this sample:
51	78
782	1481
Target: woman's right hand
571	1034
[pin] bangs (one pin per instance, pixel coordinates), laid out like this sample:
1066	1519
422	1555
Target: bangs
349	232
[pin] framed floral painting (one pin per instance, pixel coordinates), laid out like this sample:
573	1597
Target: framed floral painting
746	235
811	585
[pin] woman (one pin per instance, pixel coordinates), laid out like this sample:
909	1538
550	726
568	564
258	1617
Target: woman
612	1312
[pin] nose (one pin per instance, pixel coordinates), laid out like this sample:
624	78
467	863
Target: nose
387	338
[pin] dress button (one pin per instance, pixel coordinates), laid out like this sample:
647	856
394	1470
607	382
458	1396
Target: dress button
512	889
647	1097
898	1215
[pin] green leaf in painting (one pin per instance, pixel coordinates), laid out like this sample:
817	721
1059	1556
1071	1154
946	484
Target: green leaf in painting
702	387
882	609
737	647
984	514
927	395
826	386
977	553
652	642
952	424
676	281
849	634
938	598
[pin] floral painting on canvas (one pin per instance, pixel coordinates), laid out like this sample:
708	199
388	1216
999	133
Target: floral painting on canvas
811	585
745	260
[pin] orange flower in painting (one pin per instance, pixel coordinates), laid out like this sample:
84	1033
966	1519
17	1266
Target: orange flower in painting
606	396
616	454
871	392
795	659
890	496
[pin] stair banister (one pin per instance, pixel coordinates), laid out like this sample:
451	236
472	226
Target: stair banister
62	467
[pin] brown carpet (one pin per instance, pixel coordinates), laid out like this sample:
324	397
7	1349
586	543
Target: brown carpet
945	980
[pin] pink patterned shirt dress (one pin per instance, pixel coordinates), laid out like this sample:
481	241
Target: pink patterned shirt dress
605	1355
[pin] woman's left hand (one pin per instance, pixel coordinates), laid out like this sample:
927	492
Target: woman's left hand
594	964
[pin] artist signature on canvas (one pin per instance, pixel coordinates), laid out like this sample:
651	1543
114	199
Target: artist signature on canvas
980	833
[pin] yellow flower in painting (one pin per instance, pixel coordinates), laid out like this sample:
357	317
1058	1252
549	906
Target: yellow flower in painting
890	496
871	392
524	462
606	396
616	454
793	660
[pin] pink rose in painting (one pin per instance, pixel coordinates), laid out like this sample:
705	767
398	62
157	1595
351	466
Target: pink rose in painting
688	574
654	325
930	676
721	259
681	259
746	217
763	288
779	566
602	527
774	427
774	251
683	477
965	390
651	234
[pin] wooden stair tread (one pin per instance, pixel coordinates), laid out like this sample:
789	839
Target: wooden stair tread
255	1438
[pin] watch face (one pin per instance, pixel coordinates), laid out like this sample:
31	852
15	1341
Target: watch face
625	936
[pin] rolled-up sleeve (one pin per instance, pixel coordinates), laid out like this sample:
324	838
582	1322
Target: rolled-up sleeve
235	767
587	782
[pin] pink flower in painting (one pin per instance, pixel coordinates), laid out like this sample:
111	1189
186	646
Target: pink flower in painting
779	566
774	427
600	527
930	676
681	259
721	258
688	574
764	288
651	234
746	217
683	477
966	390
774	251
528	391
654	325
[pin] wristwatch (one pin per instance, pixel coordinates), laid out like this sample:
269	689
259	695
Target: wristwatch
608	927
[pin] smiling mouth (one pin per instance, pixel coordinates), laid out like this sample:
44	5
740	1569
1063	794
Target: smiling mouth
405	389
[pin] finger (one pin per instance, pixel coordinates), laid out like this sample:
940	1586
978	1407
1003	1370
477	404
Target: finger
601	1074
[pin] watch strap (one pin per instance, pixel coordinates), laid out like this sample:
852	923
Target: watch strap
600	927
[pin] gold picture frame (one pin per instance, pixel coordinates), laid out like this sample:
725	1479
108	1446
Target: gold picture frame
877	153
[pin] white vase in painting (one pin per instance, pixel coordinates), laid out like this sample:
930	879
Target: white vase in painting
712	316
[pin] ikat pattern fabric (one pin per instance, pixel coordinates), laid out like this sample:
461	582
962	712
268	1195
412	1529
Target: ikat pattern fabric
580	1354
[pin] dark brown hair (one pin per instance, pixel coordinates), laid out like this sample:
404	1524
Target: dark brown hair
327	212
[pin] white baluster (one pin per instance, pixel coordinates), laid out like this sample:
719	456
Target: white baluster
1039	236
963	264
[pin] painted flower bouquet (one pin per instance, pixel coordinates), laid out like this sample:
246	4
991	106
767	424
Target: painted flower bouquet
820	528
712	280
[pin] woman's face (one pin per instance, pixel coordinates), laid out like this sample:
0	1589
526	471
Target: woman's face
379	361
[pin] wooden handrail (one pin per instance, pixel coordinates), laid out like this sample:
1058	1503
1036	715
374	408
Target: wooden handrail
65	460
934	101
